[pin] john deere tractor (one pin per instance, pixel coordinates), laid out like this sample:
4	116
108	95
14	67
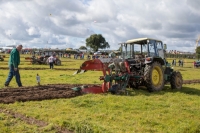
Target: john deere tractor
148	66
141	63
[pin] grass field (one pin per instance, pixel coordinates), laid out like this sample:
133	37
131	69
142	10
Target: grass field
140	111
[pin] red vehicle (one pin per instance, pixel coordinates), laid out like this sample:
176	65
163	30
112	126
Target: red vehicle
196	63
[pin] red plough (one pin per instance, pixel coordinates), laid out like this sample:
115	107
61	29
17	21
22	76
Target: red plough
97	65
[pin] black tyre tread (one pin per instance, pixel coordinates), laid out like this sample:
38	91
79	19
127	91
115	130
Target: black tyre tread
147	77
173	79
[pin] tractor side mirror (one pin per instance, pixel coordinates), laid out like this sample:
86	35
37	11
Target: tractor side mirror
165	46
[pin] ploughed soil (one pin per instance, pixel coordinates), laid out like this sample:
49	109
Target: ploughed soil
191	81
44	92
38	93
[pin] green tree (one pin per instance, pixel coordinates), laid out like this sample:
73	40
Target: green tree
83	48
198	52
96	42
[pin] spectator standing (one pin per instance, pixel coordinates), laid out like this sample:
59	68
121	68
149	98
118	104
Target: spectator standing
83	56
172	62
88	57
179	63
13	63
51	60
182	63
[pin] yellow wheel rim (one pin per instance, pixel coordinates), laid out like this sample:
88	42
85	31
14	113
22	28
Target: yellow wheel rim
156	76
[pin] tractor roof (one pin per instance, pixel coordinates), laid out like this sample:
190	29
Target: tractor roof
140	40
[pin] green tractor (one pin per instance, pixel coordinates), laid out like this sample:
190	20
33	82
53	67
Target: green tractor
146	58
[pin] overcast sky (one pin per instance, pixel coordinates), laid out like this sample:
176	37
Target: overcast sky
67	23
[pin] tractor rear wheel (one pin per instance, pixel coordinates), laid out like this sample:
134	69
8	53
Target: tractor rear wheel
176	80
154	76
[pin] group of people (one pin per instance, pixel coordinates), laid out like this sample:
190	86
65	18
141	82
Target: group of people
81	55
180	62
174	52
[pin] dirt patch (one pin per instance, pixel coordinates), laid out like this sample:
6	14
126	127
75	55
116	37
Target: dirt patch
51	91
38	93
191	81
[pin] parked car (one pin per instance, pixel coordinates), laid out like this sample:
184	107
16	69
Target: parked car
197	64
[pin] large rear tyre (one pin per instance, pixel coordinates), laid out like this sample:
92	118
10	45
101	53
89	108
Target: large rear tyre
154	77
176	80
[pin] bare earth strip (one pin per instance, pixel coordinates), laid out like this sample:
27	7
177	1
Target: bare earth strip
52	91
191	81
38	93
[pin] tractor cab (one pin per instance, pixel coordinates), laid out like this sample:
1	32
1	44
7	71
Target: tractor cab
143	49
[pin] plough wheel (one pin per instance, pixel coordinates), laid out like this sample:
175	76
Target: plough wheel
176	80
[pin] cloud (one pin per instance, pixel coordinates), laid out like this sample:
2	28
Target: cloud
67	23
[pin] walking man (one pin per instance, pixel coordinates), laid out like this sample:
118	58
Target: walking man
13	63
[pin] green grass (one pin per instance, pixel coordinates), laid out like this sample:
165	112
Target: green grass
8	124
166	111
28	77
139	111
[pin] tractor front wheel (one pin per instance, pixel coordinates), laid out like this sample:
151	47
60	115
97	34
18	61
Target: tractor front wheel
154	76
176	80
